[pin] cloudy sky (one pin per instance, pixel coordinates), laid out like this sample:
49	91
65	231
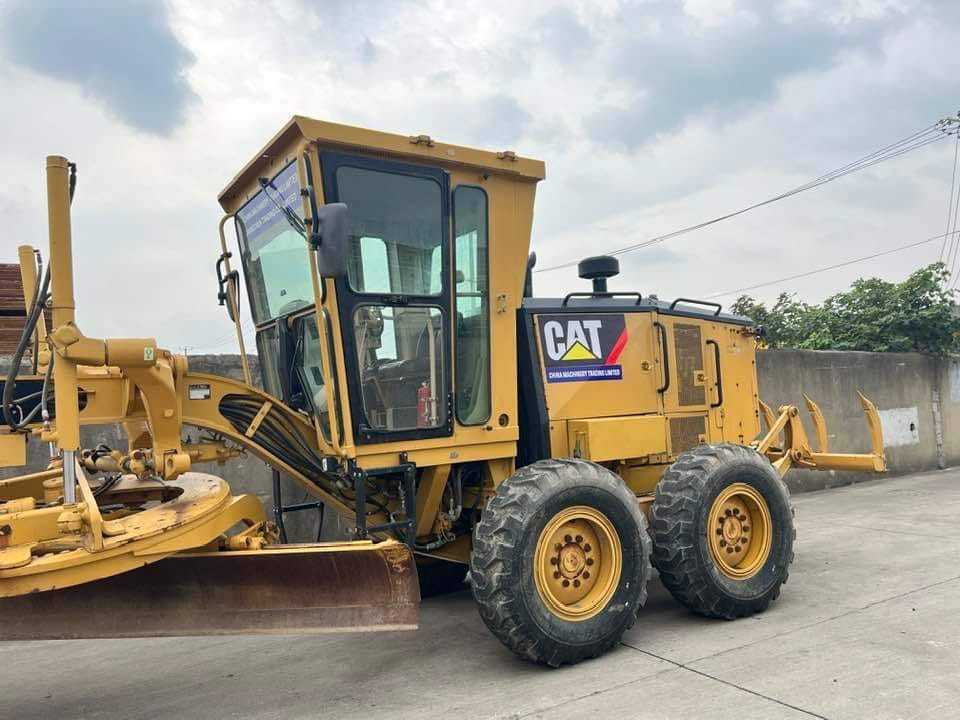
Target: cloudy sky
650	116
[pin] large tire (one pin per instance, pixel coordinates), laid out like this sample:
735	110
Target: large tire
708	555
515	566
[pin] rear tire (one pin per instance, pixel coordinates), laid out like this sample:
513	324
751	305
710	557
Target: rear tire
560	561
722	528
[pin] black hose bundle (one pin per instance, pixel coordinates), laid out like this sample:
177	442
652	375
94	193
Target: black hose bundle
278	436
40	297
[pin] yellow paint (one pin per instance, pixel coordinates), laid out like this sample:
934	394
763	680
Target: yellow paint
739	531
618	438
13	449
577	563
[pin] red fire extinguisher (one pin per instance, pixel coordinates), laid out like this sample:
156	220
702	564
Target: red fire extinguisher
423	406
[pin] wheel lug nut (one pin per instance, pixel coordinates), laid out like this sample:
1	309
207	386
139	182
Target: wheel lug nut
576	583
556	576
587	548
579	538
728	512
729	549
736	511
586	575
745	528
567	538
719	531
554	561
566	583
723	543
589	561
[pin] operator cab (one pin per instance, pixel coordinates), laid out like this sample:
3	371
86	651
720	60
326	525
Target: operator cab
412	299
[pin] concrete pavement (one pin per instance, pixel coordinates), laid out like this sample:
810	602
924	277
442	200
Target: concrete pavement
866	628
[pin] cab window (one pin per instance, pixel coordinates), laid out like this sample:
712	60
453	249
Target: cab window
309	367
472	287
274	254
396	226
400	355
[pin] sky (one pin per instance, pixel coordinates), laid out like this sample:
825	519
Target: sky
650	116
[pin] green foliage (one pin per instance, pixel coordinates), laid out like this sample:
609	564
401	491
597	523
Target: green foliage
916	315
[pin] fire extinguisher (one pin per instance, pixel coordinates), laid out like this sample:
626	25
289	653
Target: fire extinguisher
423	406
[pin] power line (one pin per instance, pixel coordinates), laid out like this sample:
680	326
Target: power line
955	245
930	134
953	185
245	327
831	267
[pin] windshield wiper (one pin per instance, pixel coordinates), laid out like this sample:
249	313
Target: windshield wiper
295	222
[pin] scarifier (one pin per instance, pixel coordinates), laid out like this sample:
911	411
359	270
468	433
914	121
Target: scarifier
548	448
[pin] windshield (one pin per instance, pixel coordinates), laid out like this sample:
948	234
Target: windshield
396	229
274	253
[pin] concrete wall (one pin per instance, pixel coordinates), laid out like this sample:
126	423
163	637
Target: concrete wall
906	388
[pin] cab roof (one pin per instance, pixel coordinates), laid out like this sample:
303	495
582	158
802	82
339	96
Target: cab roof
417	147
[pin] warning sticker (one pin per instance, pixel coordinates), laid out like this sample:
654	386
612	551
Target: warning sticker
580	348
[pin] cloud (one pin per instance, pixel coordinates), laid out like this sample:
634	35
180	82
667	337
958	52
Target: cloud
124	54
650	117
561	32
675	67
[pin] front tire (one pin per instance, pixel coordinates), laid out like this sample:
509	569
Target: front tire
560	561
722	528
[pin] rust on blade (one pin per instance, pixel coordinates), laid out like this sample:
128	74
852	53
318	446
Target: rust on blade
305	589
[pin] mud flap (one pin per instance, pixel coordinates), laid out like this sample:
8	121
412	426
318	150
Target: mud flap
301	589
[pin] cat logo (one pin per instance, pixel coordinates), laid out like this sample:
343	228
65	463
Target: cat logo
576	348
578	340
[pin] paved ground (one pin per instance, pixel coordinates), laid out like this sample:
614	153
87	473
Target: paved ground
867	627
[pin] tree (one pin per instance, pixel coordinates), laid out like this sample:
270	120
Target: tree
916	315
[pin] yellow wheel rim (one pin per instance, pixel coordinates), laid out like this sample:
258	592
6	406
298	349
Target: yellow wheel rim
740	531
577	563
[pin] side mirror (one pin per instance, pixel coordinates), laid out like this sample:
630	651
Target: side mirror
328	236
328	230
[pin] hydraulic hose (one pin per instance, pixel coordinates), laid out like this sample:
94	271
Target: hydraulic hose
40	296
277	435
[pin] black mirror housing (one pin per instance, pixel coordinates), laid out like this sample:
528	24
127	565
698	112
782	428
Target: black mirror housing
329	235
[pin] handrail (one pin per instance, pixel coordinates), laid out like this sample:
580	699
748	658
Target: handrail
716	355
584	294
662	332
231	278
691	301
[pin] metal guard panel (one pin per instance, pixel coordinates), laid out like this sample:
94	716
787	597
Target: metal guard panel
618	438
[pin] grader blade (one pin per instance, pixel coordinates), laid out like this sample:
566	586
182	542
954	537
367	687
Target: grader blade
301	589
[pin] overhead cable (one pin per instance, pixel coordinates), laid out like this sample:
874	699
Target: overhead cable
831	267
926	136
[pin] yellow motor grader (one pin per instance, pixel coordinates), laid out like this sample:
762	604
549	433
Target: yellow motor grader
413	384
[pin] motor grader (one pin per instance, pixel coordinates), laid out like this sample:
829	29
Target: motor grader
412	383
